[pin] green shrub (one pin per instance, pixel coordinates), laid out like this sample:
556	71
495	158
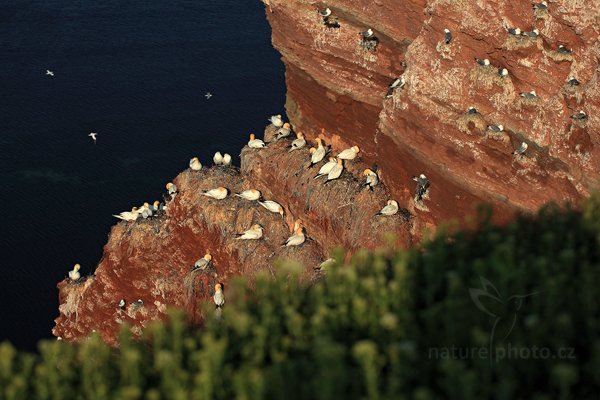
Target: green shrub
438	322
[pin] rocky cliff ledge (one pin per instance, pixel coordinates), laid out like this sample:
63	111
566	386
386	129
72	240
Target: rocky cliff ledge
335	83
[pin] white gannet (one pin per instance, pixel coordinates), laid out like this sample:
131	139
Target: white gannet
145	211
580	116
472	111
484	63
226	160
171	189
296	239
514	31
336	171
203	263
319	153
325	13
495	128
284	131
250	194
93	136
397	83
157	206
563	50
521	149
219	193
121	304
372	178
219	297
272	206
298	143
529	95
390	209
195	164
502	72
543	6
326	168
367	34
255	232
74	275
447	36
208	95
297	225
276	121
254	143
138	303
218	158
48	72
349	154
534	33
128	215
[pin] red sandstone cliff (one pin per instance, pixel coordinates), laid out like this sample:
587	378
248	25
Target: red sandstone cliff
335	84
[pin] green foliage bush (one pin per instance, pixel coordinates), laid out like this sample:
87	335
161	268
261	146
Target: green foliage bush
383	326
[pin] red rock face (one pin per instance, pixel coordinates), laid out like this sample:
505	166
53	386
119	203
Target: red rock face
337	86
423	128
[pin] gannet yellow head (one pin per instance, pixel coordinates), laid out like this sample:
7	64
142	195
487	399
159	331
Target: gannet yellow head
297	224
257	227
221	189
340	161
367	172
299	135
207	257
331	159
355	149
319	141
286	125
254	191
169	185
76	267
312	150
156	203
218	287
299	231
146	205
280	211
252	136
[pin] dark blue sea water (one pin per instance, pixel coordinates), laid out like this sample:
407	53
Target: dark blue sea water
135	72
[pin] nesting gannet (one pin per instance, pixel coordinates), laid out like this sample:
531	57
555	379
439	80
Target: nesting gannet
254	143
534	33
447	36
74	275
93	136
203	262
219	193
121	304
284	131
502	72
472	111
226	160
297	224
529	95
254	233
422	186
219	297
145	211
397	83
581	115
157	206
138	303
129	216
326	168
296	239
325	13
521	149
372	179
250	194
543	6
208	95
484	63
171	189
368	34
496	128
218	158
336	171
195	164
572	81
272	206
514	31
563	50
349	154
390	209
298	143
276	121
319	153
331	22
48	72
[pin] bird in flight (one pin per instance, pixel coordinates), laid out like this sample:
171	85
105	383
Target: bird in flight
48	72
93	136
208	95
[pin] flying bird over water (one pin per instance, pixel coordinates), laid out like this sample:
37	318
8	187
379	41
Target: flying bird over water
272	206
74	275
218	194
50	73
254	233
521	149
93	136
447	36
390	209
251	194
208	95
195	164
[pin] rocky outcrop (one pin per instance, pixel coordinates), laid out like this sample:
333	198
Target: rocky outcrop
336	84
151	259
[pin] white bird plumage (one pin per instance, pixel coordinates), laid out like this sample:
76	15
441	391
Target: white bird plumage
74	274
50	73
319	152
272	206
219	297
390	209
326	168
296	239
276	121
254	233
336	171
250	194
203	262
128	215
226	160
349	154
218	194
218	158
93	136
254	143
372	178
195	164
298	143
